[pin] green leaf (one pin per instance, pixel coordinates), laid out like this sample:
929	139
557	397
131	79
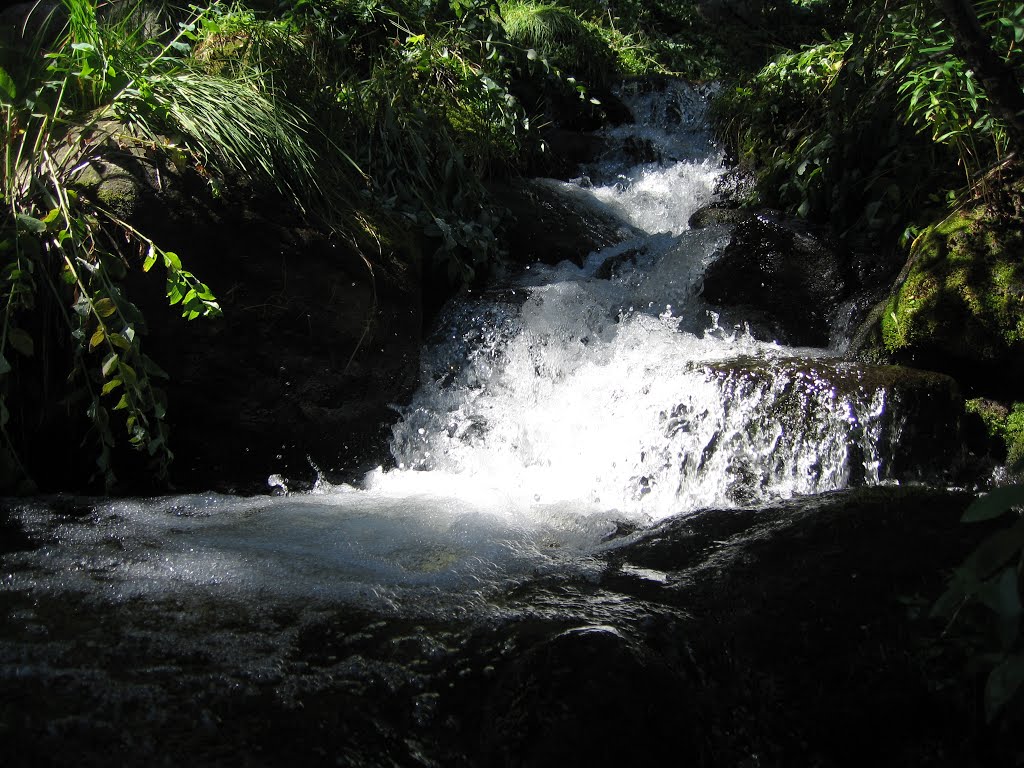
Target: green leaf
994	504
173	293
1003	683
110	364
171	260
122	403
996	551
150	260
7	88
105	307
97	338
110	386
5	367
128	374
21	341
1001	595
119	341
33	225
150	367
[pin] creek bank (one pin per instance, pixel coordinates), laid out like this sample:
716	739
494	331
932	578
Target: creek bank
729	637
320	335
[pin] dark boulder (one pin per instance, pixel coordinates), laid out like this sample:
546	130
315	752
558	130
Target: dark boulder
320	336
589	696
782	276
550	222
717	213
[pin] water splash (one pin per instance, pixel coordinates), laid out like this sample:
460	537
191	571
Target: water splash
556	413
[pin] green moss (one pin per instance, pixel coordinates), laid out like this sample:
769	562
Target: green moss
964	292
1015	438
992	414
1004	425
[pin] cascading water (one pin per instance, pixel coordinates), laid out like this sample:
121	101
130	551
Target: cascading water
609	385
504	595
552	411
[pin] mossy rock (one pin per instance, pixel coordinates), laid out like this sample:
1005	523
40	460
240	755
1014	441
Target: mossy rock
960	305
1004	428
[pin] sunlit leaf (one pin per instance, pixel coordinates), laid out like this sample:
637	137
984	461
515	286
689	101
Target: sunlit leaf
8	90
171	260
105	307
110	364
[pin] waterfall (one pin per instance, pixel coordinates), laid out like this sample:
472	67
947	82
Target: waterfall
557	412
613	385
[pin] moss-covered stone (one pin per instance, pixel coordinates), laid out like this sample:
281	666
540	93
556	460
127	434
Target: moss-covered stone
963	294
1004	426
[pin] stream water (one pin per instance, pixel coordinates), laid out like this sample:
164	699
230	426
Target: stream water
557	413
523	584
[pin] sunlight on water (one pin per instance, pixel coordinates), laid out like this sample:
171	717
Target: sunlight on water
553	411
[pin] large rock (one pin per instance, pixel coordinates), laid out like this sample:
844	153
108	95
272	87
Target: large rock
320	336
551	221
796	634
781	275
582	697
958	306
902	424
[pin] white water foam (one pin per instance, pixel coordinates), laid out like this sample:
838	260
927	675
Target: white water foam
550	411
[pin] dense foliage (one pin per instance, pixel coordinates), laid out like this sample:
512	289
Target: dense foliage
350	109
879	126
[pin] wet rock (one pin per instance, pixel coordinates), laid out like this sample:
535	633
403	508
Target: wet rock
802	606
746	637
550	223
589	696
717	213
918	434
783	276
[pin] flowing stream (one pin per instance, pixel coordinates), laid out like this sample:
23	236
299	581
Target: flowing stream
559	414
